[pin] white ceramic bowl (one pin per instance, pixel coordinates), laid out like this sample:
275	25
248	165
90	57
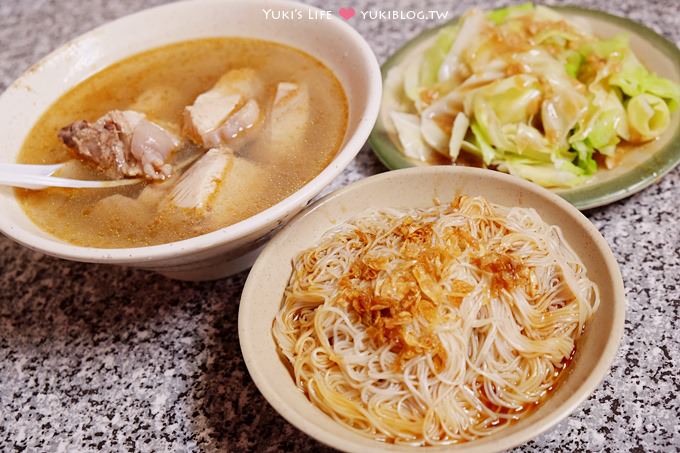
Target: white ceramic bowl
229	249
417	187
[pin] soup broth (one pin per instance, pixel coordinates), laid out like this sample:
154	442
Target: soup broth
160	83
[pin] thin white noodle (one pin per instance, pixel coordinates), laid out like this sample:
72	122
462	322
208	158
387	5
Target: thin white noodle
503	349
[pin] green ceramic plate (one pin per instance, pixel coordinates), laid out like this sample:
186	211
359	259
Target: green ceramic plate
638	168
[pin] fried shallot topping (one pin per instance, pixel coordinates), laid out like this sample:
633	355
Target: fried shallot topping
403	283
506	271
398	295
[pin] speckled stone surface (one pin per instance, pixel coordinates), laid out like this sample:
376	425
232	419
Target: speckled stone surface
104	358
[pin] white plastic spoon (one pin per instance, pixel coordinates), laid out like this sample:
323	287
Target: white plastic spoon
39	177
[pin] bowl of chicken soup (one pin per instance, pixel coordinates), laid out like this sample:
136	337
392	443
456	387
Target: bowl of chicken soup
217	121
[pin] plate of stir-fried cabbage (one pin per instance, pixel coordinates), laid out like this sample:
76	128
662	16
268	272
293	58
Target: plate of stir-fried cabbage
579	101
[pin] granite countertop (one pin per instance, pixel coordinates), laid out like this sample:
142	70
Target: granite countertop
95	357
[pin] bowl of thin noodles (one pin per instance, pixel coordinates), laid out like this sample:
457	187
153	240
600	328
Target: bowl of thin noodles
431	308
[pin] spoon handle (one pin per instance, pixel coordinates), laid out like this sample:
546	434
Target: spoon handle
29	169
36	182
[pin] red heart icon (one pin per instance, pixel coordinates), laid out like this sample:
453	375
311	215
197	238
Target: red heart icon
347	13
